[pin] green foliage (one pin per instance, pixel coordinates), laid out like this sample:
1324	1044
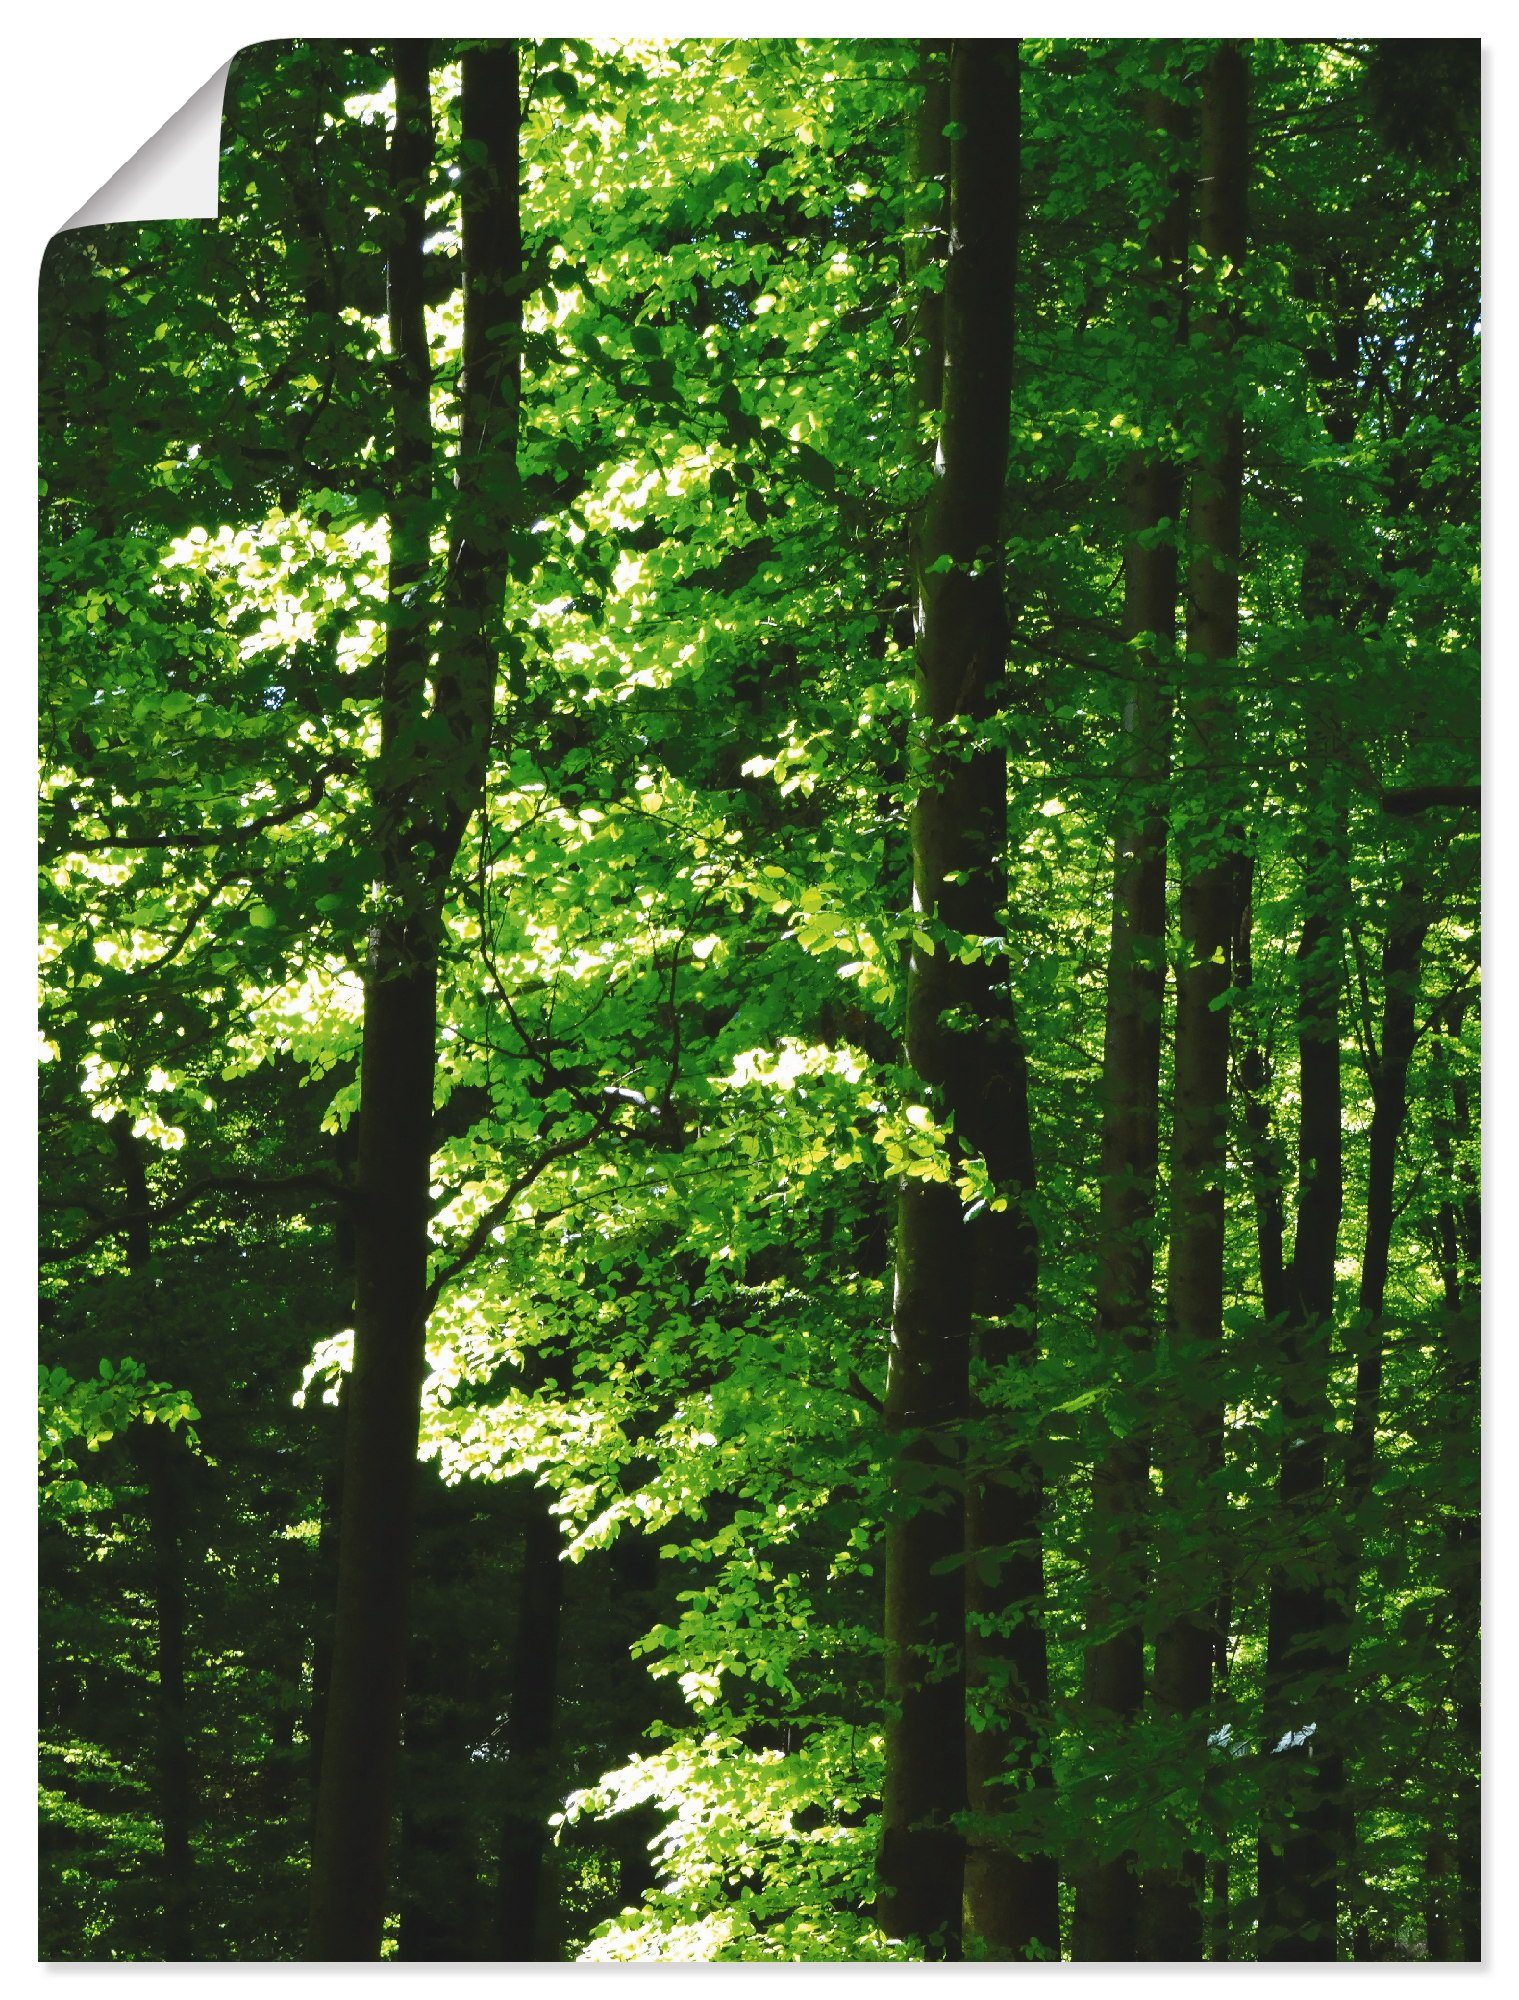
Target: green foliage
671	1108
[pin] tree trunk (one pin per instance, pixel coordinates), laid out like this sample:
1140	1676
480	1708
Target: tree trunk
522	1929
422	807
1459	1900
1011	1883
1305	1705
1255	1070
328	1449
1220	1909
158	1457
438	1875
1298	1903
942	1612
1407	925
160	1461
1106	1924
1191	1440
325	1592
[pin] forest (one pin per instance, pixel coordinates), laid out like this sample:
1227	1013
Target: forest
759	1167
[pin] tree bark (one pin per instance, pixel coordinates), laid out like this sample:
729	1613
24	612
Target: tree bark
423	803
1190	1442
1011	1880
448	1697
1455	1840
1220	1909
1408	923
1106	1922
522	1930
1268	1173
159	1460
326	1583
956	1566
1298	1902
1305	1706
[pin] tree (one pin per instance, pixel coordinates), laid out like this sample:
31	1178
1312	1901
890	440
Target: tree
1188	1445
428	783
683	682
1107	1893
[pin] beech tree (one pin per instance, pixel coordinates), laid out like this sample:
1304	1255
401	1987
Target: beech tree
759	1182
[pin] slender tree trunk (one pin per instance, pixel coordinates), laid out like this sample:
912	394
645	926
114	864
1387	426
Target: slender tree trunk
422	808
160	1461
363	1709
1402	956
1306	1706
922	1855
1106	1924
522	1911
1298	1903
158	1458
1012	1908
928	167
1220	1913
1465	1585
1255	1071
1459	1849
942	1611
326	1583
328	1448
1191	1441
438	1875
285	1665
633	1602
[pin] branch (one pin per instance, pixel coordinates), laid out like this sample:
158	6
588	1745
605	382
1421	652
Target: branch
113	1225
1366	1034
499	1209
863	1395
1410	799
210	836
83	1203
187	929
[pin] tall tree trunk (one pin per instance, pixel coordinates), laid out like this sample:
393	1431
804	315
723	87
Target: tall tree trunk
1456	1838
329	1451
1305	1705
325	1588
634	1602
422	807
928	168
1106	1922
1408	923
448	1688
1191	1440
363	1708
1465	1574
1255	1070
1220	1910
522	1930
963	1046
160	1461
1298	1902
1012	1908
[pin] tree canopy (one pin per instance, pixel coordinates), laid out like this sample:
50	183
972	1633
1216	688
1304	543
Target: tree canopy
759	1162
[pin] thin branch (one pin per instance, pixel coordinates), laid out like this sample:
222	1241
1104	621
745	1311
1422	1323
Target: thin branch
1365	1032
496	1214
1410	799
210	836
250	1184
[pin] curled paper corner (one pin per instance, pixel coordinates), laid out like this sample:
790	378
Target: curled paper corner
174	175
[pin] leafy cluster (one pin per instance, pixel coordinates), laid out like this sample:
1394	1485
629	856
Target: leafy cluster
672	1109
